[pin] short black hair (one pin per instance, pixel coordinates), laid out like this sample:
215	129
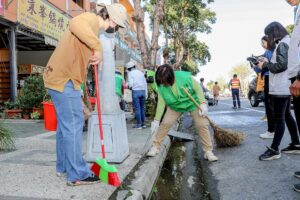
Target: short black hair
165	75
216	82
234	75
201	79
275	32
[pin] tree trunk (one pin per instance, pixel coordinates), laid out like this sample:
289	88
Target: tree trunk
141	35
159	14
148	59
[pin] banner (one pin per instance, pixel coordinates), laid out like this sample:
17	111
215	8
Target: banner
2	7
39	15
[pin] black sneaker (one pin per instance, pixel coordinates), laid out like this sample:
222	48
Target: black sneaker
293	149
233	107
88	181
297	174
270	154
297	187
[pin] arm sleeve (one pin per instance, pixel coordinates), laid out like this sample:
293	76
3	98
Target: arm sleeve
81	27
199	92
130	80
281	60
160	108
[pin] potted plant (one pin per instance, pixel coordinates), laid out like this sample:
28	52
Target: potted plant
12	109
32	94
35	115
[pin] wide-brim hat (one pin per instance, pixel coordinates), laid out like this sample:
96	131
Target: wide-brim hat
117	13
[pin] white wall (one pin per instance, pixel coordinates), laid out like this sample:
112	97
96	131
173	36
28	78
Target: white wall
33	57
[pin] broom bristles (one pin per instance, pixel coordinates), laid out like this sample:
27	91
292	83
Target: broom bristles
227	137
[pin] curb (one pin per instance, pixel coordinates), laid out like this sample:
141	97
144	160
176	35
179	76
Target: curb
146	175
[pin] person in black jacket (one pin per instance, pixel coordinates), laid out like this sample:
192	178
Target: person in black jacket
279	83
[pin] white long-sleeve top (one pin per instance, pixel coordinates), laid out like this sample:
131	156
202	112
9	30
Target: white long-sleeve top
137	80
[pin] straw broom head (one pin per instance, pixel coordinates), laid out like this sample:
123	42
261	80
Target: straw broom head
223	137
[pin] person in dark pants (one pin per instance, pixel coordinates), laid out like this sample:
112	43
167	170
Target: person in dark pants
269	134
294	70
235	86
279	83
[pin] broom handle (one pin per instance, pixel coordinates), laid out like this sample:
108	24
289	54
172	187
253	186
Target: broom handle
99	109
195	102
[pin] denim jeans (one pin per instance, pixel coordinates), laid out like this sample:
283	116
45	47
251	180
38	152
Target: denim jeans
236	97
282	116
138	99
69	133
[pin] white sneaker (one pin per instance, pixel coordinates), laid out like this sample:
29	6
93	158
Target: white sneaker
60	174
267	135
209	155
153	151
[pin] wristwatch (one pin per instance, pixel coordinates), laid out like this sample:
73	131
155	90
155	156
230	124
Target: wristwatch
298	76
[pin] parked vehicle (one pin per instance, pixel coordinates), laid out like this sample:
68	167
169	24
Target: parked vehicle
209	98
255	97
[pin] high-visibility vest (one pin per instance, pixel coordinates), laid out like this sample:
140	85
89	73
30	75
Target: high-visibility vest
235	84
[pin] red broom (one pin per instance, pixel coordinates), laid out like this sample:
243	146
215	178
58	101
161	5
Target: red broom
107	173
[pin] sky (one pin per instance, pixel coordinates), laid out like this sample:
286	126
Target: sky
237	32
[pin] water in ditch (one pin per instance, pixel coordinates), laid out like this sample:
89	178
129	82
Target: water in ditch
181	175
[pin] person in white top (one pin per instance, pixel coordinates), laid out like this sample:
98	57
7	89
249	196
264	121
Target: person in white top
137	83
294	70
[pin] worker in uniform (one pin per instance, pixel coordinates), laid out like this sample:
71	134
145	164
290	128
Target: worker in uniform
235	86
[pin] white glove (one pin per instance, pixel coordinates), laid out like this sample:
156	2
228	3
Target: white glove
203	112
154	126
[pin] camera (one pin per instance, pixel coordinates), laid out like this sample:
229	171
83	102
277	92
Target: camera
253	60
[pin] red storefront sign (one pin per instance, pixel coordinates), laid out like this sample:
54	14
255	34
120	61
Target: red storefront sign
1	7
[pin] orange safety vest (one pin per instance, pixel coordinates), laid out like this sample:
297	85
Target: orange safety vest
235	84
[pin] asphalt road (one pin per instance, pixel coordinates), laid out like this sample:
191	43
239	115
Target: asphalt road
239	174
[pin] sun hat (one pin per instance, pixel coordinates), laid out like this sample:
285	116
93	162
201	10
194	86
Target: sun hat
117	13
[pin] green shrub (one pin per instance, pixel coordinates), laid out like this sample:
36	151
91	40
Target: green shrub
6	139
32	93
35	115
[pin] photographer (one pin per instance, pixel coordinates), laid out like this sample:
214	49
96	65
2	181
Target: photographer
278	39
269	134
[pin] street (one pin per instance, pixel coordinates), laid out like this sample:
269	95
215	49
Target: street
239	174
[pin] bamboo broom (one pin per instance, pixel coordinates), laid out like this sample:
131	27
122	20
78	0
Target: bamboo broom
223	137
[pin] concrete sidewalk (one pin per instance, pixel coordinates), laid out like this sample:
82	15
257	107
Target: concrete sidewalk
29	172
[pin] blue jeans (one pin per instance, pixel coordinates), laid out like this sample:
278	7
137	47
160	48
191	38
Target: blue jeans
138	98
69	133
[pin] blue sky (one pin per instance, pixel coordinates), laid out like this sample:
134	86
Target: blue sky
237	32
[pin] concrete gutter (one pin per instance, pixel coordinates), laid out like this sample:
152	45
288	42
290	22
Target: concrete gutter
146	174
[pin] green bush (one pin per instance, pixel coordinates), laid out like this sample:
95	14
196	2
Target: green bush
35	115
6	139
32	93
11	105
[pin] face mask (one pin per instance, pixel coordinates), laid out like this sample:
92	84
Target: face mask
110	30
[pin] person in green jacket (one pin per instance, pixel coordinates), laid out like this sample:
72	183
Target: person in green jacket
170	94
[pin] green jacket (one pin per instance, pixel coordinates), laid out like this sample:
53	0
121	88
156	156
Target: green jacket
119	84
175	98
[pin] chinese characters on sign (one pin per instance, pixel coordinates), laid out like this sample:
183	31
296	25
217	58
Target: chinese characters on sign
1	7
42	17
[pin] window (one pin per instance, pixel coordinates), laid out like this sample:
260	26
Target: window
79	2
